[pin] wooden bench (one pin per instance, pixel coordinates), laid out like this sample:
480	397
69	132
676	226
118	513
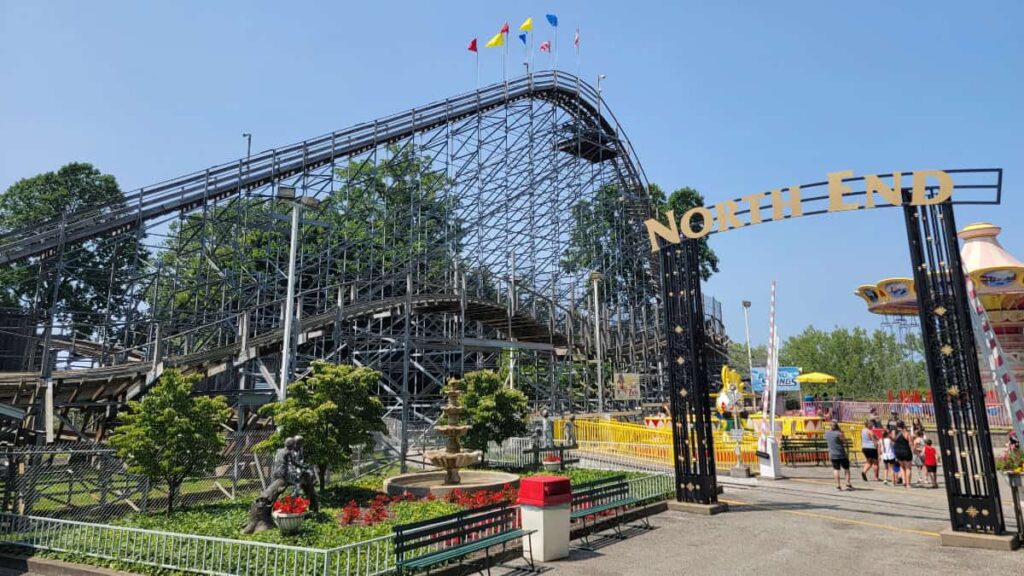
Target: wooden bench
809	449
562	460
598	496
441	541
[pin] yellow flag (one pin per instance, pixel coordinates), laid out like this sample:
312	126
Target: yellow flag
498	40
527	25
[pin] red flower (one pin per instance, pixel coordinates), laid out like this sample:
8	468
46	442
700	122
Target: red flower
350	513
292	505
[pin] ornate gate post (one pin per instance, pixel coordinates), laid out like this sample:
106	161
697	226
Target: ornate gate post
693	448
965	444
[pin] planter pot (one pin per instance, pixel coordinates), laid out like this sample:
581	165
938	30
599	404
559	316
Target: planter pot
552	466
288	523
1014	478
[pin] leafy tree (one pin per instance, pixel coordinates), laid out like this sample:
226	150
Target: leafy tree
494	412
605	238
738	357
865	365
100	268
333	409
680	201
602	238
384	217
171	435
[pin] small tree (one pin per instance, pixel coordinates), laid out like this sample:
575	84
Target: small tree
171	435
494	411
333	409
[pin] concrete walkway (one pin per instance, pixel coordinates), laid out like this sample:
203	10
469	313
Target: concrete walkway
800	525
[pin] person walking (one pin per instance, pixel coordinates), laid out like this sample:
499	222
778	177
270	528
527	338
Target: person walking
869	448
836	441
904	453
888	457
931	461
918	448
893	421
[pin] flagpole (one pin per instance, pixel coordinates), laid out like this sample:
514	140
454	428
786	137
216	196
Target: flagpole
529	57
576	41
526	55
477	53
554	48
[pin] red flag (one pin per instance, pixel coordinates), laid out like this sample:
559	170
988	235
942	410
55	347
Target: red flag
504	29
545	46
472	45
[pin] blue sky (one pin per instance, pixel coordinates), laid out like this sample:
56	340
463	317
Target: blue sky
729	97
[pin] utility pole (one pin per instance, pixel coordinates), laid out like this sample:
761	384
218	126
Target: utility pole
596	277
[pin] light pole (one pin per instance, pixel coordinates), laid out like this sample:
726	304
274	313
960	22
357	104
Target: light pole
248	146
596	277
750	357
600	77
287	193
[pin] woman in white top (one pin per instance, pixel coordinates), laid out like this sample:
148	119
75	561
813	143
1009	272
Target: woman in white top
889	455
869	448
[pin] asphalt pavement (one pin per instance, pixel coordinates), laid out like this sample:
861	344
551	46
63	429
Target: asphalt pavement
799	525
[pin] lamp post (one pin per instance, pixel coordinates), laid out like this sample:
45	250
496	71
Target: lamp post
596	277
248	146
287	193
750	357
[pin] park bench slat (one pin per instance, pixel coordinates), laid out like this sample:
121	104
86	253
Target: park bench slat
460	534
598	496
603	507
447	554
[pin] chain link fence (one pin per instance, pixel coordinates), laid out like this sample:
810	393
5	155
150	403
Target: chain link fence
88	482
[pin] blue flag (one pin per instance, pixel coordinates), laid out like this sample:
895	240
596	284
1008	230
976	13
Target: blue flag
523	38
553	20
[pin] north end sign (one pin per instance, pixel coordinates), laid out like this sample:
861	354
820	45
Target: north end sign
927	187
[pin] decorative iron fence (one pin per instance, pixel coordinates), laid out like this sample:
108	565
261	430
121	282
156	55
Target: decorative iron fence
653	487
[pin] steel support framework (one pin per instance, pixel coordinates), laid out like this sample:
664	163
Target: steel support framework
451	237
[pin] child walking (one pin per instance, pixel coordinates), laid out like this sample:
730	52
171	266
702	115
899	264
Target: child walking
931	461
888	457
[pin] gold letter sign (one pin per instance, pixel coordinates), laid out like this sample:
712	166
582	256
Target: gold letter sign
726	214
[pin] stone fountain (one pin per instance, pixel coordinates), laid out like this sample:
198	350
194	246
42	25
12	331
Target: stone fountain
450	460
453	456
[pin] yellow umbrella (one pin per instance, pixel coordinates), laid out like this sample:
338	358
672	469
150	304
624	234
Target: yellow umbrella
816	378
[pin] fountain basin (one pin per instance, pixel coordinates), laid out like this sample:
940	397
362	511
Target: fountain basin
420	484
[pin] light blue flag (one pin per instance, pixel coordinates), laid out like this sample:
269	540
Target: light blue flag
553	20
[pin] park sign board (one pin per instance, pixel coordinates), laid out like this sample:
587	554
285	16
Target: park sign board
926	187
627	386
787	379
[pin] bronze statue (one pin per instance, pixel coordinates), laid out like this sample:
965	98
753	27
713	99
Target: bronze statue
289	470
